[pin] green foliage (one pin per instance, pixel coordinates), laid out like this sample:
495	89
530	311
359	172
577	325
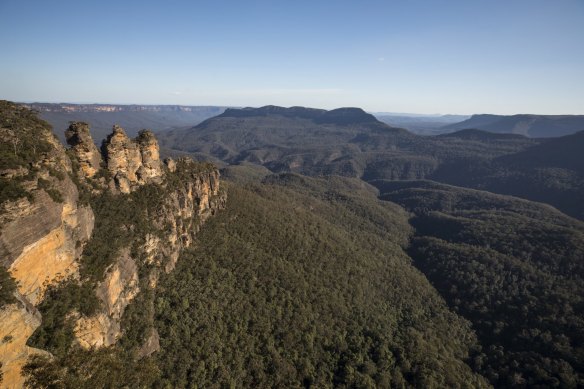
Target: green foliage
514	269
24	141
120	221
103	368
11	190
55	333
53	193
58	174
137	319
244	173
303	282
23	136
7	288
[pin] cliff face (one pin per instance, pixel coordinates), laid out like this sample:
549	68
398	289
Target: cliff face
44	226
17	324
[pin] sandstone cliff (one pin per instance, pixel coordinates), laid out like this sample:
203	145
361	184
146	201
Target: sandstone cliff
45	228
132	163
190	195
87	154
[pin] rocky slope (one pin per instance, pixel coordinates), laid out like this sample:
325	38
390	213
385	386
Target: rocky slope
48	222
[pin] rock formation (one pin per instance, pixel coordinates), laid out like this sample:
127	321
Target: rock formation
44	227
79	138
192	196
115	292
151	169
132	163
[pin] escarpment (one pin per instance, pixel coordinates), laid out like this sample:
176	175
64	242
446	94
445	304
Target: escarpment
165	203
43	228
165	219
105	221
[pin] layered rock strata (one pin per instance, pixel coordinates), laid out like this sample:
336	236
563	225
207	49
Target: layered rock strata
132	162
87	154
42	235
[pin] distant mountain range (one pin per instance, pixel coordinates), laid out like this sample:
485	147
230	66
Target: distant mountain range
164	117
534	126
132	118
351	142
420	124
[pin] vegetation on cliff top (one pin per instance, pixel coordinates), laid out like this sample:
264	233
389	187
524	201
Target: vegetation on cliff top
121	220
23	139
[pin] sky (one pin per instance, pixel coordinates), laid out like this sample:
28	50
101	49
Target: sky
457	57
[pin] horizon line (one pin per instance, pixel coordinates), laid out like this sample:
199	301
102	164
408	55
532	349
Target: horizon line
373	112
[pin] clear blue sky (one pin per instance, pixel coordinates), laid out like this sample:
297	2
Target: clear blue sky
470	56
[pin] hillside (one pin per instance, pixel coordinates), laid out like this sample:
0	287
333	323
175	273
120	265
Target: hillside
535	126
420	124
513	268
132	118
550	172
120	269
345	141
303	282
480	135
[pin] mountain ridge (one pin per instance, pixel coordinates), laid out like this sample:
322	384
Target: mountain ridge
531	125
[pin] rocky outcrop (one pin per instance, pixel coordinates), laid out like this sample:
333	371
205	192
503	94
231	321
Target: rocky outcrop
151	344
132	163
87	154
42	239
151	168
18	322
115	293
192	195
42	233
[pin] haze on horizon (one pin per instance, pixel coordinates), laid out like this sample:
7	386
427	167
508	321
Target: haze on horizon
431	57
